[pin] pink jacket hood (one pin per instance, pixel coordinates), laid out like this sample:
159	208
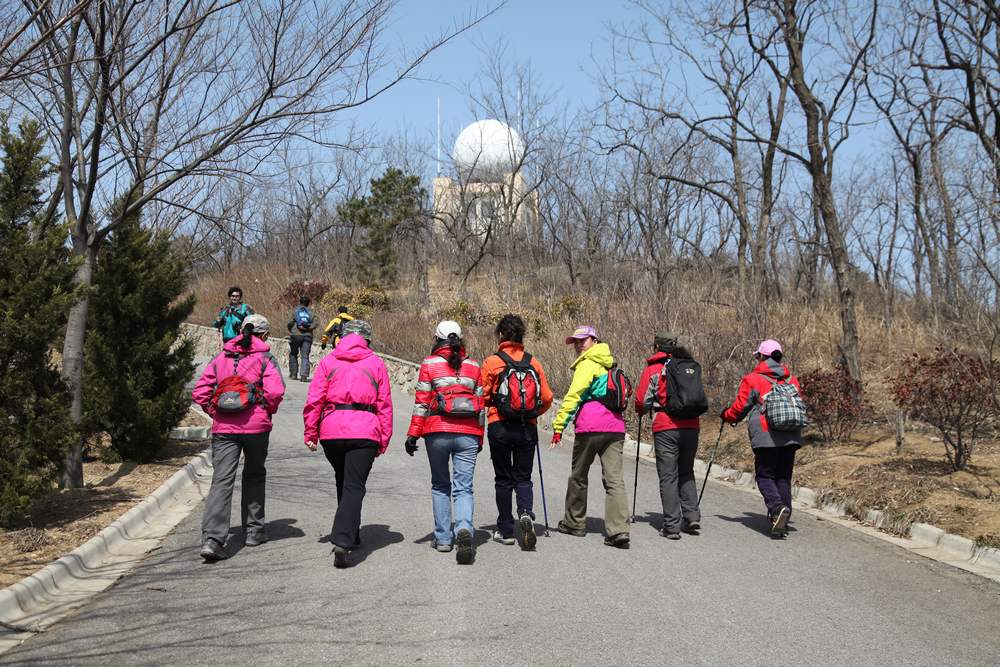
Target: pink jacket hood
258	366
350	397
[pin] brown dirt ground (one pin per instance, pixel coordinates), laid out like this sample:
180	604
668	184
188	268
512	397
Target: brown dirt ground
63	520
917	484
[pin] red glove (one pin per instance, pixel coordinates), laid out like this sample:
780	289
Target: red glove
556	438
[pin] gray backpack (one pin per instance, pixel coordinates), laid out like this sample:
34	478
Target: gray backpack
783	406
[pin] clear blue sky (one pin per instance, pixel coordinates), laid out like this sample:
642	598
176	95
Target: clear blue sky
554	36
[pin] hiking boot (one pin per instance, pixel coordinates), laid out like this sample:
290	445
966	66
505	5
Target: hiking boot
466	552
256	538
441	548
779	521
619	541
528	537
340	557
691	527
563	528
669	535
499	537
212	551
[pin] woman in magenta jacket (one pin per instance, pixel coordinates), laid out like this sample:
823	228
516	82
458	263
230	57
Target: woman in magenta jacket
245	431
349	413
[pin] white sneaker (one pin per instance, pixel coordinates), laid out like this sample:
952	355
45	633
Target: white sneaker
442	548
498	537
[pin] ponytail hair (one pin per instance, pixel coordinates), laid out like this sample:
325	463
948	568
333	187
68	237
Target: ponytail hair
456	344
777	355
247	341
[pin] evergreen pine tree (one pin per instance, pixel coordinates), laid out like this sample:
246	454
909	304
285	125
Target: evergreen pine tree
36	292
136	369
395	201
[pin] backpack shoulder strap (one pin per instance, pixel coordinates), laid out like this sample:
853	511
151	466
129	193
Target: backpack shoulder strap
507	359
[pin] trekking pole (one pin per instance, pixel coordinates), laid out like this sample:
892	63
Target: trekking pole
711	461
541	483
635	486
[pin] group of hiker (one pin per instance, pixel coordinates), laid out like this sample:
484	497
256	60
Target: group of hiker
349	413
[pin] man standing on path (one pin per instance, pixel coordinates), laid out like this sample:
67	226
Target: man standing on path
230	319
599	432
300	329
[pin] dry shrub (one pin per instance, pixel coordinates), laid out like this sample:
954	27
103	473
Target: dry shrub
313	289
27	540
835	403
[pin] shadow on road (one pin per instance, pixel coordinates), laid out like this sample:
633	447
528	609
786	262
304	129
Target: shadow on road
480	537
754	521
373	537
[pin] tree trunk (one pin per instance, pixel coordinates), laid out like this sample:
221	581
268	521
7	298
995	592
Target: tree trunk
73	351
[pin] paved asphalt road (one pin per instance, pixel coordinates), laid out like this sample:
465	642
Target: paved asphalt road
827	595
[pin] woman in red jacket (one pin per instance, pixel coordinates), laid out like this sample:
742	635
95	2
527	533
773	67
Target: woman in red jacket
675	441
448	415
773	450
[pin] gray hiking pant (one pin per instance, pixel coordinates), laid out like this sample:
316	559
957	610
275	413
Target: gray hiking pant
675	452
226	448
299	346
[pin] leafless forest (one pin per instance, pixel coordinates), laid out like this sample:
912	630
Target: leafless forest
824	173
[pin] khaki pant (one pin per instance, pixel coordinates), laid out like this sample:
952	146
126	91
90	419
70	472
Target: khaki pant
608	446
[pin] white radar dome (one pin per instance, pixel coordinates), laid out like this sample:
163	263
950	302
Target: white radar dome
487	150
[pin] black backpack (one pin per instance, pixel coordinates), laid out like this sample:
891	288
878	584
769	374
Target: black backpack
685	397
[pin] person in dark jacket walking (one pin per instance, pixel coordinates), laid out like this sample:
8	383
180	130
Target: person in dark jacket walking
300	339
773	450
447	414
675	440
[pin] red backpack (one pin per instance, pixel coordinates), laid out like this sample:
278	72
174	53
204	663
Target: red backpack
234	393
518	391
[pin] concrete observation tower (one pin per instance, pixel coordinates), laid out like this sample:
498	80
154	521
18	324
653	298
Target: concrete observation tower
489	185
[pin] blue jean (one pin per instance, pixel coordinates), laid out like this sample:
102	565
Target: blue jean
446	486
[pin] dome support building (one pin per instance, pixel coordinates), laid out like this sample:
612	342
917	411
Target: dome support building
489	193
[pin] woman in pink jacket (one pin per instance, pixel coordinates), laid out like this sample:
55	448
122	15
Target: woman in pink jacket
239	389
349	412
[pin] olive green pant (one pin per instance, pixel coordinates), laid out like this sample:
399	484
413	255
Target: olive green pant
608	446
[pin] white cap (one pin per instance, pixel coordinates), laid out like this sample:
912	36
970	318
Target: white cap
447	327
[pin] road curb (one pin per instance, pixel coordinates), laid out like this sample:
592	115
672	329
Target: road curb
925	539
26	598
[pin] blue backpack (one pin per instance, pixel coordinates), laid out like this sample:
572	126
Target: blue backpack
303	318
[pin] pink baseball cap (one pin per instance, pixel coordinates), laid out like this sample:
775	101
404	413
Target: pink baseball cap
581	333
768	347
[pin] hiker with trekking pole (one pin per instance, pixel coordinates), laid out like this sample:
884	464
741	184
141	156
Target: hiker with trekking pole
448	415
769	397
671	390
595	402
516	392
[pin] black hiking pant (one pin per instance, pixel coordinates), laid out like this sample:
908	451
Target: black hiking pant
512	450
352	462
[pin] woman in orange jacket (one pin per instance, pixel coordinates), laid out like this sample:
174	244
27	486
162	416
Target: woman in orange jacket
516	391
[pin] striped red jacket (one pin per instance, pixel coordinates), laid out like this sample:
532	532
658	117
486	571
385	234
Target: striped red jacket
436	375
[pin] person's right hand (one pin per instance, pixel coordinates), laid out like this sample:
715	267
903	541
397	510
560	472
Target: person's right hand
411	445
311	444
556	440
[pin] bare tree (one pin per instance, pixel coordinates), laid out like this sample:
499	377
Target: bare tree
138	97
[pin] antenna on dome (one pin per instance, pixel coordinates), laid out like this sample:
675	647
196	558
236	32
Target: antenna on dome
439	138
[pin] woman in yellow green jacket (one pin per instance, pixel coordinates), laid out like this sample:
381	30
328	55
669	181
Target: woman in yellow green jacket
600	432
